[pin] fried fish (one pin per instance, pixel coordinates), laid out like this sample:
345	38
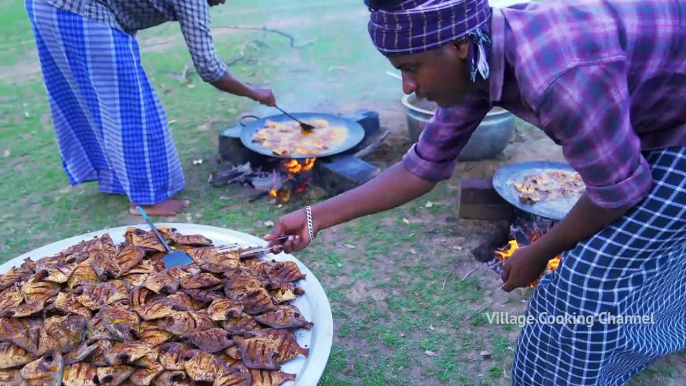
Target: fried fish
83	274
285	341
223	309
57	269
285	316
114	375
171	355
270	378
79	353
10	298
240	325
161	283
122	323
233	377
145	377
193	240
45	371
173	378
285	271
12	355
203	295
259	353
97	295
211	340
200	280
158	309
257	302
105	266
128	258
67	303
100	313
183	322
153	335
147	241
12	378
186	302
129	352
201	366
80	374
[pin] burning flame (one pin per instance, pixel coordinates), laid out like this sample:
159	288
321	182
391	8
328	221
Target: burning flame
283	194
293	166
513	245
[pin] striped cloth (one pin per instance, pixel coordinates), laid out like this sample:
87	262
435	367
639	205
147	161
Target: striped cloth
110	125
416	26
632	269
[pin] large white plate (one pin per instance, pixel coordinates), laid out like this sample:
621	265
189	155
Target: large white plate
314	304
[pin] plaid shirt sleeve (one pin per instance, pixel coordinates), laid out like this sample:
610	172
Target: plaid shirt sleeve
194	20
587	109
434	156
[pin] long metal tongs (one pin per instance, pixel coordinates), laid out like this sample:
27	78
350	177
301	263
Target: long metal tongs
253	251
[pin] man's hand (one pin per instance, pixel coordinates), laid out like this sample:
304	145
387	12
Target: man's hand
263	96
294	225
234	86
524	266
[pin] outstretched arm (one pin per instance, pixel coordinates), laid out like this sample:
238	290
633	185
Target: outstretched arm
194	20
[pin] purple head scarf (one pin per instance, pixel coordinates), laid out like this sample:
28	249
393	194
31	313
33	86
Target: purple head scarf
415	26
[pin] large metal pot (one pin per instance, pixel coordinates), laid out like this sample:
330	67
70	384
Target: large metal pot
489	139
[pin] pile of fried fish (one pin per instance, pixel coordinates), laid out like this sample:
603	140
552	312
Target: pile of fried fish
100	313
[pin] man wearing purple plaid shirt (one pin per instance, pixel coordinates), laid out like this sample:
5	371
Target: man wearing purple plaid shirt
606	80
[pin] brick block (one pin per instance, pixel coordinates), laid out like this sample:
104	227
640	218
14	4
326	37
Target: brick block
478	200
479	191
485	212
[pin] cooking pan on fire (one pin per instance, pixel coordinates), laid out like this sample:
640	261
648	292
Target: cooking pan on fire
505	177
354	137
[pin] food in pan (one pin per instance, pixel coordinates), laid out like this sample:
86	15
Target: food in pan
102	313
549	186
288	138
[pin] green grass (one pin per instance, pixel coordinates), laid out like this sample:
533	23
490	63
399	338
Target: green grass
400	308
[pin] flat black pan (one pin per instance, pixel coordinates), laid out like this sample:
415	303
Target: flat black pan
355	133
503	179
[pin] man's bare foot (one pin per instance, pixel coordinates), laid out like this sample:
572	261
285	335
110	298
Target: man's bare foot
165	208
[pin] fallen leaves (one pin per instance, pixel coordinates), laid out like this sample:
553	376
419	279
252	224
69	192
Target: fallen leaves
430	353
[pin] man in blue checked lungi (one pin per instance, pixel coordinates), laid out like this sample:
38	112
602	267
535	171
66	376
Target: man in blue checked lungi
110	125
606	80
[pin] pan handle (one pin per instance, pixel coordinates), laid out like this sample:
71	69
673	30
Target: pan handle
240	120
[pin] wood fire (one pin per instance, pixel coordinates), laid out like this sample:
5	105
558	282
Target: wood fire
294	166
507	251
284	192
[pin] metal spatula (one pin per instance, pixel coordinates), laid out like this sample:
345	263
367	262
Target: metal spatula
172	258
305	126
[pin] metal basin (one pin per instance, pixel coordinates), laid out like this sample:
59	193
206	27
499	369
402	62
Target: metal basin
488	140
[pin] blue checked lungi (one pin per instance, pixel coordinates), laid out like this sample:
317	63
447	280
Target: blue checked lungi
110	125
635	269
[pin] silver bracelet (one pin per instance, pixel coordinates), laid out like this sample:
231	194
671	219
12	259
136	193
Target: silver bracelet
310	227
